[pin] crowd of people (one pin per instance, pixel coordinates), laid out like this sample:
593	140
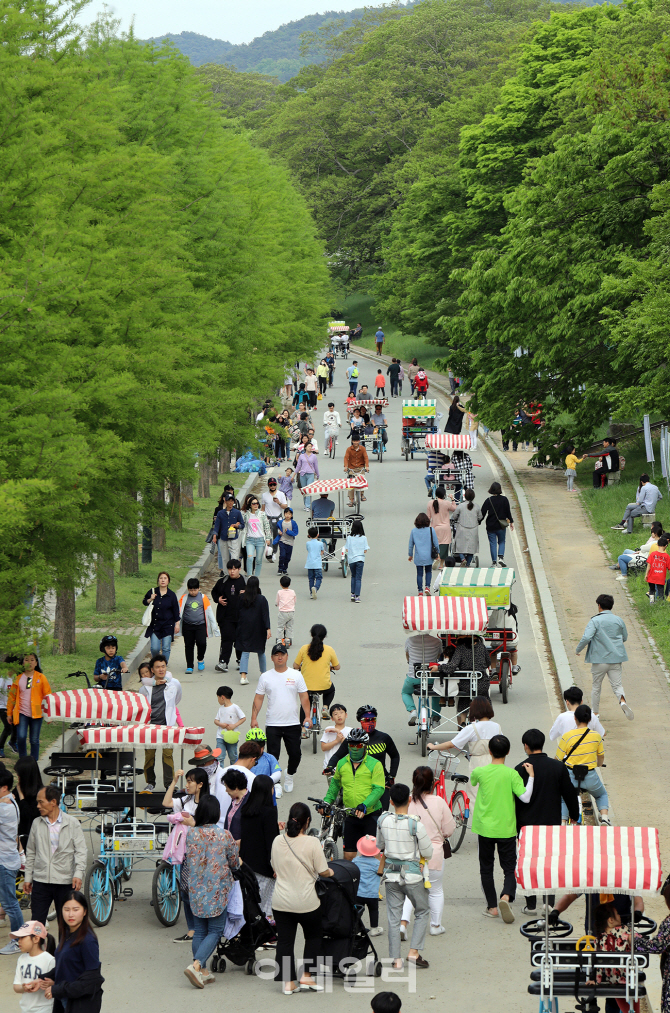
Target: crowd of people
393	832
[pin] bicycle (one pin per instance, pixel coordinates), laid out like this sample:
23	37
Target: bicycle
459	801
378	445
331	444
332	826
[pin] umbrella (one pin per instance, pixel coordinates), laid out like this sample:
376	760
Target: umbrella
96	705
141	735
445	615
583	859
448	441
334	485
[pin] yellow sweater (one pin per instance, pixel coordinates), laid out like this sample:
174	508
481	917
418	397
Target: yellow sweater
571	460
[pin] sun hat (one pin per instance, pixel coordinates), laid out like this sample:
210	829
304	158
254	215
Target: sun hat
204	755
367	846
30	929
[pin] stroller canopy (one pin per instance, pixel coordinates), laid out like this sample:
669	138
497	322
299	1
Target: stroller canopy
589	860
448	441
96	705
444	615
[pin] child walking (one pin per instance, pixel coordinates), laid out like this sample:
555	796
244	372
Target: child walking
571	462
287	529
658	569
197	623
33	963
357	546
370	861
314	564
285	483
285	602
228	718
380	384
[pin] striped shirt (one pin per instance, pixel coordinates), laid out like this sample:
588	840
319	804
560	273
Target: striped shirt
586	753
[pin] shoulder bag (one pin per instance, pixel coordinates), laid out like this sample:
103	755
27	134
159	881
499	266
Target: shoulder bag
148	613
320	887
446	846
504	523
580	770
434	545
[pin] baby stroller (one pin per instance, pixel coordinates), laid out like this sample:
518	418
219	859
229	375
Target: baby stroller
255	932
345	937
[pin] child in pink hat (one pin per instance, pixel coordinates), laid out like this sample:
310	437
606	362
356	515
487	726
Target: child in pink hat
370	862
34	962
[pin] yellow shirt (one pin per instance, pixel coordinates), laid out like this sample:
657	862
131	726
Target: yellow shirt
316	673
572	460
588	750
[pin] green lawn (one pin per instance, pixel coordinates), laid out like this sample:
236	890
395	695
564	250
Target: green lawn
183	548
606	507
358	308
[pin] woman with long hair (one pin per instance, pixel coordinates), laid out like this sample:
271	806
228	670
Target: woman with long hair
257	535
29	782
76	985
197	786
356	546
253	627
436	817
298	861
24	704
316	661
259	827
440	511
496	509
467	517
422	544
456	414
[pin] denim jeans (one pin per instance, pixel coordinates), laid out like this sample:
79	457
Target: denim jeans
497	538
594	786
429	479
244	662
411	686
394	387
315	578
255	553
285	553
35	726
188	914
353	384
229	748
356	570
208	931
624	559
306	478
465	556
8	897
161	645
419	576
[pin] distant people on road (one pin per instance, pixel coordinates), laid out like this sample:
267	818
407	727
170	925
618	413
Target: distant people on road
496	509
455	418
352	376
571	462
379	340
227	527
604	639
393	372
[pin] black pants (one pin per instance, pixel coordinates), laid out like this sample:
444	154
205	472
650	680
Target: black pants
43	894
312	398
507	858
394	393
599	478
372	904
328	695
194	635
323	384
228	632
356	827
287	924
8	731
531	902
285	553
290	736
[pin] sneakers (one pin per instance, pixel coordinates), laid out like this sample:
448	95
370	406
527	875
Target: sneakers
357	601
201	666
188	671
618	527
208	977
313	592
525	910
243	679
412	718
605	821
378	931
437	930
278	791
221	667
149	787
11	948
501	560
183	939
2	754
622	577
288	783
626	709
195	977
516	669
353	597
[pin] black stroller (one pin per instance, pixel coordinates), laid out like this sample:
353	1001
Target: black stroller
255	932
345	937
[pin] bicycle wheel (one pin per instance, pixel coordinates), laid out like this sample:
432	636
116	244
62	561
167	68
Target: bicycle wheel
504	678
315	739
165	894
345	565
424	741
127	867
331	850
99	892
458	812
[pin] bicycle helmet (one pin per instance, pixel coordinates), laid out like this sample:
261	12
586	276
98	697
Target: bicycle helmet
366	709
357	737
255	734
108	641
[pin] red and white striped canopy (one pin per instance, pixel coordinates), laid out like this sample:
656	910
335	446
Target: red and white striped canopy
589	860
96	705
141	735
444	614
383	401
334	485
448	441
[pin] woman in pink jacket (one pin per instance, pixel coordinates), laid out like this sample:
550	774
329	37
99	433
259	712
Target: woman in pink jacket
439	511
436	817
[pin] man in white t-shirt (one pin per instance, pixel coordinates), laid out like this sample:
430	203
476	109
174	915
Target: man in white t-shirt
286	691
335	734
420	649
274	504
573	696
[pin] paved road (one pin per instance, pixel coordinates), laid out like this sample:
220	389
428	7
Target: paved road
144	968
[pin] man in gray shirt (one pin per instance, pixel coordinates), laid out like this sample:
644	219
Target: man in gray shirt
604	639
646	499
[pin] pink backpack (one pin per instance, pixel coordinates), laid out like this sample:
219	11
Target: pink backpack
175	847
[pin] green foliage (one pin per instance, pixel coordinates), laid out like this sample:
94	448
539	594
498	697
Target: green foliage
157	272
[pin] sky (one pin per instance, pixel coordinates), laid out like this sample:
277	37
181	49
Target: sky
231	20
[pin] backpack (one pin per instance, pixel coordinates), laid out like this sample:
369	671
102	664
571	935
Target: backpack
354	372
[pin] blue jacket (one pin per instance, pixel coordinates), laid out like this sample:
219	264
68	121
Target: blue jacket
605	635
223	521
420	541
292	531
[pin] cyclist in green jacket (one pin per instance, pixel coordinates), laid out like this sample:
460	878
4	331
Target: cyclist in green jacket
363	782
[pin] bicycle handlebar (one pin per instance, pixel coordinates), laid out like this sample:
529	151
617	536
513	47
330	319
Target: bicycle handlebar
74	675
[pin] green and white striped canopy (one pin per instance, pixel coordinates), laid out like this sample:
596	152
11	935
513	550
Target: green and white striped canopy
489	576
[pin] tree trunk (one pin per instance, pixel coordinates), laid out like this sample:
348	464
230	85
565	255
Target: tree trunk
187	496
158	533
147	543
64	620
213	463
224	462
175	506
105	593
203	478
130	559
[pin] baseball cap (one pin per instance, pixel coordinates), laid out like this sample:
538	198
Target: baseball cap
272	481
30	929
278	649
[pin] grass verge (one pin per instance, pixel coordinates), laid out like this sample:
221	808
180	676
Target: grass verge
359	308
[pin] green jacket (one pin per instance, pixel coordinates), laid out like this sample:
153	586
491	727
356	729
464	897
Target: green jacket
366	785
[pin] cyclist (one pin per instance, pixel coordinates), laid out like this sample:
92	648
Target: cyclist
331	424
378	419
329	359
316	661
380	745
266	762
362	781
